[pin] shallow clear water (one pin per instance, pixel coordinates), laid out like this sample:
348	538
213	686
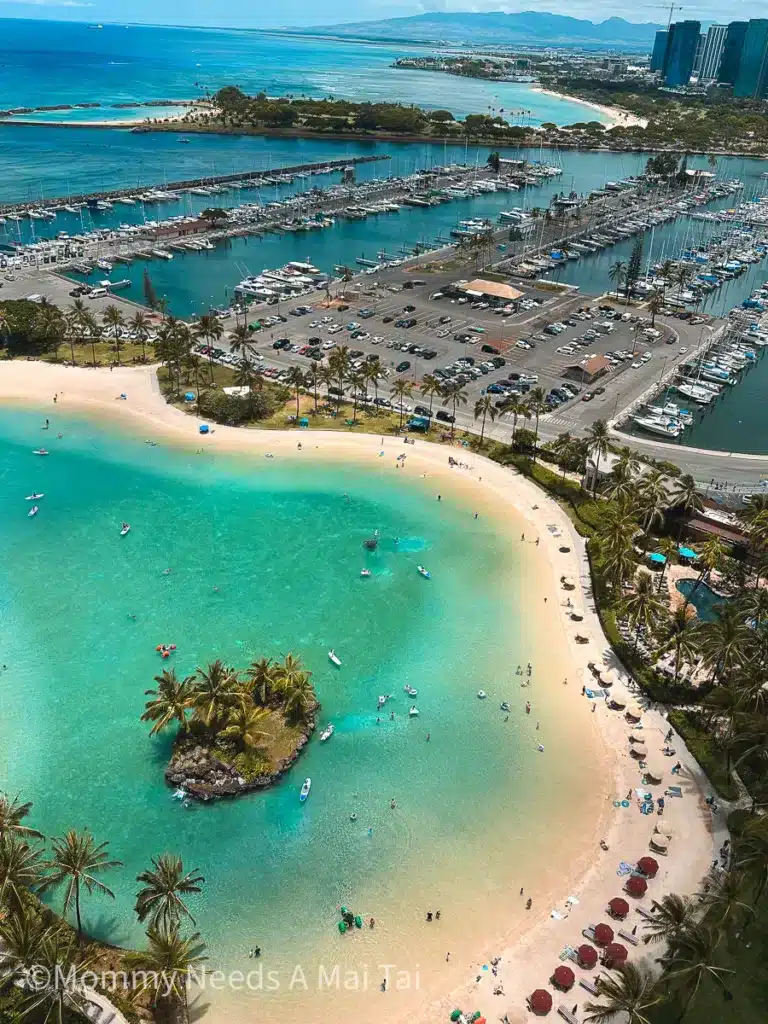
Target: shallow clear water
284	547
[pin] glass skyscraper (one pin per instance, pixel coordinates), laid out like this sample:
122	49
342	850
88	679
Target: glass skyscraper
681	52
752	77
659	51
731	58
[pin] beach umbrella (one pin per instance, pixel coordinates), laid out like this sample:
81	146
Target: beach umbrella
563	977
654	774
686	552
635	711
637	739
636	886
664	830
659	843
648	866
638	752
603	934
608	677
657	558
615	954
618	907
540	1001
586	955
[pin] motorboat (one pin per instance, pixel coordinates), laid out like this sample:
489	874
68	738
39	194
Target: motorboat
381	702
365	573
34	496
410	690
326	734
33	511
124	529
334	657
305	790
41	451
504	706
424	572
413	712
482	694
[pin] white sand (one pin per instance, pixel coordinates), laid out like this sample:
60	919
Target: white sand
530	942
616	116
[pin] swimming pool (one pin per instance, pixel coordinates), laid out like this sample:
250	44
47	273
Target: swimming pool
705	600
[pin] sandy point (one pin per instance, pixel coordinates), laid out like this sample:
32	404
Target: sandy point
577	876
615	116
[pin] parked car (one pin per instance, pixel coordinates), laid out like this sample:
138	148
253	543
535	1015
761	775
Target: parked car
402	367
444	416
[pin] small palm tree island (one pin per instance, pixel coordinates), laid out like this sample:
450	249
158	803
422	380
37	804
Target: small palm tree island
235	731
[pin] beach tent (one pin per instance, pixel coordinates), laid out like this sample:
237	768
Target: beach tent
540	1002
586	956
618	908
563	978
603	934
648	866
615	955
636	886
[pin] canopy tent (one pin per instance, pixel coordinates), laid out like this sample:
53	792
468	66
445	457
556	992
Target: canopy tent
686	552
563	977
618	907
648	866
540	1001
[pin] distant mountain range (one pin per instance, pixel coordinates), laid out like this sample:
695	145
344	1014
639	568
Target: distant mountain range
527	27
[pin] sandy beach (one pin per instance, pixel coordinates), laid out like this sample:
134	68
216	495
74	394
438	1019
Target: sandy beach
616	116
527	943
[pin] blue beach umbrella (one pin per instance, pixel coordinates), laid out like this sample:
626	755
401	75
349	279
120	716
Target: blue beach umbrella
686	552
657	557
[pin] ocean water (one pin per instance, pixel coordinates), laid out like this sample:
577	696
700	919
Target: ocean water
43	63
283	543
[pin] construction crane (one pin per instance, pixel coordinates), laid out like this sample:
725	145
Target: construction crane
668	7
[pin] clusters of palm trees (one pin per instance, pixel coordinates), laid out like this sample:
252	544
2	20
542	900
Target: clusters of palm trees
34	939
695	933
79	325
230	708
670	272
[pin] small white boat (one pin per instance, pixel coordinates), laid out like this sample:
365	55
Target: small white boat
327	732
424	572
305	790
124	529
482	694
33	511
365	573
410	690
413	712
34	496
41	451
334	657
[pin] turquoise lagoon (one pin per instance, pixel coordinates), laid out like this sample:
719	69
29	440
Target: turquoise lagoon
283	542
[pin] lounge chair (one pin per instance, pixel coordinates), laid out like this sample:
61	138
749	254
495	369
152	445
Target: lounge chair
566	1014
589	932
628	937
588	985
645	913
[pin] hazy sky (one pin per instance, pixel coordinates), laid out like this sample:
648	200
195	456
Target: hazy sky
247	14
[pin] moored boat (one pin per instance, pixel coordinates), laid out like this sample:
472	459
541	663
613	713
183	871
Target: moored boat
334	657
326	734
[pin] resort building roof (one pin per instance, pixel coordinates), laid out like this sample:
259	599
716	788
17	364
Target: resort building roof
493	288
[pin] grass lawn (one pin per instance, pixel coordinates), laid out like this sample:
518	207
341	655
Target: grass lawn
106	354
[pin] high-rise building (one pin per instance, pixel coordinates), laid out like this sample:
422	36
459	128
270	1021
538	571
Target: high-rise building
731	58
681	52
711	53
752	78
659	50
699	55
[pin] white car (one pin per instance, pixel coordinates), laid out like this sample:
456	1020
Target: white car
335	328
636	366
326	320
683	350
522	344
376	339
329	344
315	323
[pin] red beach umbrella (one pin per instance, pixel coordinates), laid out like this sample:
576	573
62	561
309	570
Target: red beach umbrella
615	953
540	1001
563	977
587	955
648	866
636	886
618	907
603	934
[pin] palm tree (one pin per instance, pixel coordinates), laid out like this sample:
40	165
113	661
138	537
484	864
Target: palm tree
628	460
295	379
627	992
243	725
455	394
690	960
726	642
339	362
668	549
49	325
139	324
52	953
299	698
679	632
75	318
314	376
514	407
289	672
655	306
536	406
751	853
94	329
484	407
262	675
622	485
358	381
643	607
208	329
652	504
75	862
248	375
164	969
710	558
618	273
671	915
172	699
19	871
374	374
429	387
616	533
113	320
12	814
723	899
686	498
215	693
401	390
241	341
597	438
164	886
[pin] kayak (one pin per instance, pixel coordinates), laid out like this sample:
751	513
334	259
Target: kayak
33	511
34	496
305	790
334	657
124	529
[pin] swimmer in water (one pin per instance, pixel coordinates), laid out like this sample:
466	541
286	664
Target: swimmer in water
353	817
166	572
